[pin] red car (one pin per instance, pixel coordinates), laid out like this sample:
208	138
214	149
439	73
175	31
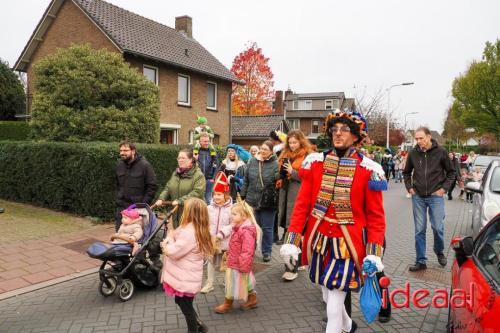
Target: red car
474	304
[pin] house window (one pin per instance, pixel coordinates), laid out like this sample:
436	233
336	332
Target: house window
151	73
216	139
191	137
211	95
303	104
184	91
315	126
294	123
328	104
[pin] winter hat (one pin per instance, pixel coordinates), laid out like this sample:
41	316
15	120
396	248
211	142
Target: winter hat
221	183
202	120
240	151
130	213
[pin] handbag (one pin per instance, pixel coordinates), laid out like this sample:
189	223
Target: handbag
269	195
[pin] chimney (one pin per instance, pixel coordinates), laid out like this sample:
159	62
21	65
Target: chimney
278	102
288	92
184	24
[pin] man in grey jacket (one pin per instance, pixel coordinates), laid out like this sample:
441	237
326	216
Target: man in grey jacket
428	175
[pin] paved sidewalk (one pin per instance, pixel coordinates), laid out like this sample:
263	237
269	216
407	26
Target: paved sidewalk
27	264
76	305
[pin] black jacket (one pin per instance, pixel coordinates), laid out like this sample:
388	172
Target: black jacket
135	182
428	171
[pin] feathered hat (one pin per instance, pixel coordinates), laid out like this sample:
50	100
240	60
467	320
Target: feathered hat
221	183
240	151
352	116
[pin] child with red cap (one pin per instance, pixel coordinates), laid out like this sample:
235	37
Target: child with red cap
130	228
219	212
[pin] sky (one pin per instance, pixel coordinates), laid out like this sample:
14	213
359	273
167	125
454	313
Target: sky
360	47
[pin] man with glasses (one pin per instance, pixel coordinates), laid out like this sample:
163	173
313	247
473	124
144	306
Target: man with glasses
340	208
135	180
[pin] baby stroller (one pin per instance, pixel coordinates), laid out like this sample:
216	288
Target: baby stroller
120	271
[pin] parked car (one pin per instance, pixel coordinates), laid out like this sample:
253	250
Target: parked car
482	161
475	278
486	201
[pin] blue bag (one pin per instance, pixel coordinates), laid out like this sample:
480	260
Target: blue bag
370	299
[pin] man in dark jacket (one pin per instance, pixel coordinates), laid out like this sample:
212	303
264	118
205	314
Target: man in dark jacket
135	180
428	175
208	161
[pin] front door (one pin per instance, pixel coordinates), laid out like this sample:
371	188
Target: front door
168	136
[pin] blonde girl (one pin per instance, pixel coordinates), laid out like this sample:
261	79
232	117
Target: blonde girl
240	280
184	250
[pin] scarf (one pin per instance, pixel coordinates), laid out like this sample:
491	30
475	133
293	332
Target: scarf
335	190
296	158
183	172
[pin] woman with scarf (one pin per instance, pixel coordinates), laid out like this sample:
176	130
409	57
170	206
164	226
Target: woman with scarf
295	150
234	168
187	181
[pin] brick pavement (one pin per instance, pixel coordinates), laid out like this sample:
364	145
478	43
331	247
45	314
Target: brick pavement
29	263
76	305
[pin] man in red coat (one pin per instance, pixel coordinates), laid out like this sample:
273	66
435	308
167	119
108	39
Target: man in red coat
338	216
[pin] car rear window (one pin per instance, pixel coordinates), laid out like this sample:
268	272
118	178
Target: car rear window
495	180
483	160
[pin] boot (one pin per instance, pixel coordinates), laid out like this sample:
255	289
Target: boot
202	328
225	307
251	302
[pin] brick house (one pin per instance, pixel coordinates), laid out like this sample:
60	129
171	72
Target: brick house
253	130
191	80
308	111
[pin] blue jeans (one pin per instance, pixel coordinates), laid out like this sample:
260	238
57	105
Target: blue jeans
433	204
208	191
265	219
399	175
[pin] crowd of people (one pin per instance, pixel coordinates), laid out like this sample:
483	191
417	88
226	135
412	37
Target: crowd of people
285	192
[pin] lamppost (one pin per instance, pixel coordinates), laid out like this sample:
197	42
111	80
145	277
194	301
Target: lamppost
407	114
389	105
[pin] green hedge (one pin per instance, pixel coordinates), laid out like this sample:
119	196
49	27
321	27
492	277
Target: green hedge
14	130
72	177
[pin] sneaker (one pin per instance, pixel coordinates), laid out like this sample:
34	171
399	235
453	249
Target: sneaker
442	259
417	267
266	257
207	288
289	276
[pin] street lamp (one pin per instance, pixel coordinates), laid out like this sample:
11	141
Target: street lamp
404	143
389	105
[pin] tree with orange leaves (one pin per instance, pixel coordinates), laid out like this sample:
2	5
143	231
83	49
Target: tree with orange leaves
256	95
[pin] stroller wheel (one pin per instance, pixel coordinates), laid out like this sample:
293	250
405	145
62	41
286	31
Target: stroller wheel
107	290
126	290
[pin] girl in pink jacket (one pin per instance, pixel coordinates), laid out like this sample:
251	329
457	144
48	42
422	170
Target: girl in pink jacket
240	280
219	212
184	250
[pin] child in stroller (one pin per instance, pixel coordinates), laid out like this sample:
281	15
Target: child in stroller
124	267
130	229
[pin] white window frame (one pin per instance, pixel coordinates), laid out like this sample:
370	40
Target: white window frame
156	69
293	121
296	104
191	137
214	108
331	104
188	103
312	126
